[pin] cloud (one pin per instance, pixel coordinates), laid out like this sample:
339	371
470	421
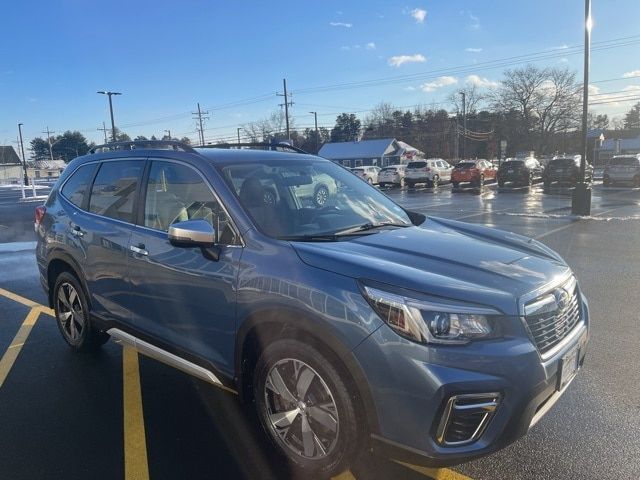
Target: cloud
438	83
474	22
631	74
564	46
398	60
563	60
481	82
370	46
410	88
341	24
419	14
367	46
473	50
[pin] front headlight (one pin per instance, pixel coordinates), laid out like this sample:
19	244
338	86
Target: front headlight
431	322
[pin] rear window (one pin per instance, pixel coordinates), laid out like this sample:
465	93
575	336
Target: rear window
389	169
357	169
417	165
466	165
562	162
114	189
513	164
626	161
77	185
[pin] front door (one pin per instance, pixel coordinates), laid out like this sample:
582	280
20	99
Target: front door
180	298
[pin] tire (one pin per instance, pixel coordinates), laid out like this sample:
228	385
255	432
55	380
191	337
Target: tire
321	196
455	184
606	181
410	184
500	183
269	197
546	185
73	315
284	368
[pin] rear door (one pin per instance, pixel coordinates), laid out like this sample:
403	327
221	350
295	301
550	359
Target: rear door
182	300
106	232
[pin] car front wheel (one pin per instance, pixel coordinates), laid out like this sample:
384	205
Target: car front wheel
306	408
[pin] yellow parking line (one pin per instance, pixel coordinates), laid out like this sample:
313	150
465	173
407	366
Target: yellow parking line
135	444
347	475
18	298
436	473
9	357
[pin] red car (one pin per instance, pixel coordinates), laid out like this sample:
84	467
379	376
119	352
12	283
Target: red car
475	172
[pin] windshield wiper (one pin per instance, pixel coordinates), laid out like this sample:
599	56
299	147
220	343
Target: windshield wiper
369	226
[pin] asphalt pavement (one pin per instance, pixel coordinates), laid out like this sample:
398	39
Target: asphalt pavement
116	415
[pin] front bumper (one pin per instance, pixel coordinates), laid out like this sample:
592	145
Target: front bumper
411	385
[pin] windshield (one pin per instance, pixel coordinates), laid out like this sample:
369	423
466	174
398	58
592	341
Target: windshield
626	161
417	165
513	164
466	165
303	199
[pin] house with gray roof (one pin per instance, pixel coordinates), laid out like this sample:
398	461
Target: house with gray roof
378	152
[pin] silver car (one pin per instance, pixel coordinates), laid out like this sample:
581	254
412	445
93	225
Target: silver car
622	169
392	175
368	174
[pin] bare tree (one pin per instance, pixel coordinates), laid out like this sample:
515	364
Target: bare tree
546	99
473	99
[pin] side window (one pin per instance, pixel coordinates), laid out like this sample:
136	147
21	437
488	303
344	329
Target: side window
176	193
114	189
77	185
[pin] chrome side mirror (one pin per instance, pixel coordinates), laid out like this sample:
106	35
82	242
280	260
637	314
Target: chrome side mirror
192	233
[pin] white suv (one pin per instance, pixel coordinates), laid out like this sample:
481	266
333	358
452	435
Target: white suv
368	174
431	172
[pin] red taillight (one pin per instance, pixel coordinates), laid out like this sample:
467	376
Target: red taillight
40	211
427	169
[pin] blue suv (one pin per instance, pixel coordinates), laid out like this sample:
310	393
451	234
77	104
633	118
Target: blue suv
349	323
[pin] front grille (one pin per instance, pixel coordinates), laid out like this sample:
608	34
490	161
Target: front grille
559	315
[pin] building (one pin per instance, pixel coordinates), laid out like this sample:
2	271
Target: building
617	146
379	152
10	166
45	168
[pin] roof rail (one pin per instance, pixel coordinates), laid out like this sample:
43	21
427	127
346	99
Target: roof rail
141	144
257	145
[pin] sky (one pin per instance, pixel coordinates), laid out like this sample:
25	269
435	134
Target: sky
337	56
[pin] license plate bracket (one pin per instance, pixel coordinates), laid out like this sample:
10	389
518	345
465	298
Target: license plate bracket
568	367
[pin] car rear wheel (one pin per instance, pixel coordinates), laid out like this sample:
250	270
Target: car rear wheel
410	184
455	184
72	315
305	408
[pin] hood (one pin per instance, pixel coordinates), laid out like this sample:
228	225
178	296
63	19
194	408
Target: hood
445	258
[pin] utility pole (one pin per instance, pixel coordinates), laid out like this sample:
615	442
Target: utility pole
286	105
168	133
315	117
457	139
24	159
113	124
49	142
238	131
581	200
464	124
198	117
104	131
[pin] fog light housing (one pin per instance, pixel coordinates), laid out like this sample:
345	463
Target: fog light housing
466	417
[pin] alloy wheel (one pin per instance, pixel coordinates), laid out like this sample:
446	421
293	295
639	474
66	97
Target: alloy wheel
301	411
322	194
70	313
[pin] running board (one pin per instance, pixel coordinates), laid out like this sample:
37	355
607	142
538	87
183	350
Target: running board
165	357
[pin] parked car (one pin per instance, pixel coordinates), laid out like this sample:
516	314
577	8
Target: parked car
475	172
392	175
519	171
430	172
368	174
566	171
622	169
350	325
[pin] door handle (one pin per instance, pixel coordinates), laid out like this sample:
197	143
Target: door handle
139	249
77	231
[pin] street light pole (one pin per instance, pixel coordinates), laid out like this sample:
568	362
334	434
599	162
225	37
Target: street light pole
238	132
113	124
581	200
24	159
464	123
315	117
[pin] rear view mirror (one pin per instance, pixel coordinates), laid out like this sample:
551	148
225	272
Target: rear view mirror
192	233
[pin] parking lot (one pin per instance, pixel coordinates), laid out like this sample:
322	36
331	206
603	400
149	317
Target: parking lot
117	414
